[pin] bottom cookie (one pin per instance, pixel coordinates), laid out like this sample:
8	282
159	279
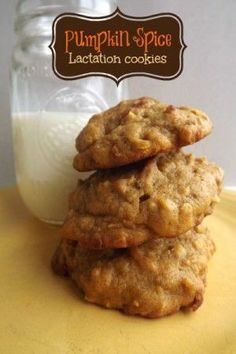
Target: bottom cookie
158	278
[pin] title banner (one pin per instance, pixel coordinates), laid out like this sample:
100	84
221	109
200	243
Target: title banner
117	46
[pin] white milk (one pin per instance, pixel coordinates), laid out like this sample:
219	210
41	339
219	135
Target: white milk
44	145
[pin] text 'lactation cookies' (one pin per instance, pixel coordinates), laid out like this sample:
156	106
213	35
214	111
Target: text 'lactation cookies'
132	239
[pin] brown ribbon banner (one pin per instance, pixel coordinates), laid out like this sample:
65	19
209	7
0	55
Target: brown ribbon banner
117	46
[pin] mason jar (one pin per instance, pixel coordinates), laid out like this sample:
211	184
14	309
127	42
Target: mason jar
47	112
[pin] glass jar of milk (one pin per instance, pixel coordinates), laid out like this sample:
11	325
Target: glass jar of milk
47	112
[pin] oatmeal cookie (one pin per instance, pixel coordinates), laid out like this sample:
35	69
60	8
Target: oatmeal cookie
158	278
137	129
160	197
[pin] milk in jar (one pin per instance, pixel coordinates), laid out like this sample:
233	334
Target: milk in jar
44	148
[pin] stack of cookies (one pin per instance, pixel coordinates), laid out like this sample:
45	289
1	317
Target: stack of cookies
133	238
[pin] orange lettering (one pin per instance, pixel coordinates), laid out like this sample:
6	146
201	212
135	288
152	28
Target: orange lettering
69	36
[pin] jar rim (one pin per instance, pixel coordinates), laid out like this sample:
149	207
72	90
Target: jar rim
30	8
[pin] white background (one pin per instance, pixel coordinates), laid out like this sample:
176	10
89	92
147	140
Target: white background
207	82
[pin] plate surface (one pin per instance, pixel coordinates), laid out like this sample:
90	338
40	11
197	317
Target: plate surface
43	314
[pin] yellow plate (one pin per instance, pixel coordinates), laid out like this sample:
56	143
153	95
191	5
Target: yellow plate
43	313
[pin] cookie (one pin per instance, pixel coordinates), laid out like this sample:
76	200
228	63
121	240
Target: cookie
163	196
158	278
137	129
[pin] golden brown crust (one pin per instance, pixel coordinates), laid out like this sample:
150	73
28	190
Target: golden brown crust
63	257
136	129
158	278
164	196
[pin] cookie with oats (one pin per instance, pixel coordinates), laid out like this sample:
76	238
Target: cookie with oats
137	129
163	196
158	278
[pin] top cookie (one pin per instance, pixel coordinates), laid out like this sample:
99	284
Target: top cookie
137	129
